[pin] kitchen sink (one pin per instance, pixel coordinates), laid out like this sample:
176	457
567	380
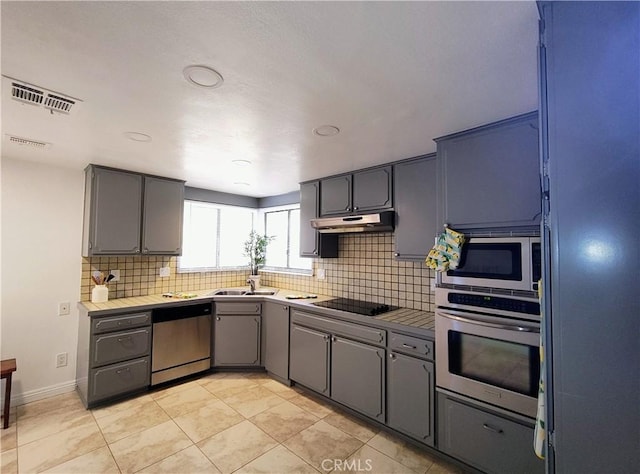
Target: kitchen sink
261	292
229	293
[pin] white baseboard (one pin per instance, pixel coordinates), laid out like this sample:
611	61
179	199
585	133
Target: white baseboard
41	393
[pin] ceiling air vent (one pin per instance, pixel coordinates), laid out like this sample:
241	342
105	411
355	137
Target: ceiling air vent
59	104
28	142
26	94
39	96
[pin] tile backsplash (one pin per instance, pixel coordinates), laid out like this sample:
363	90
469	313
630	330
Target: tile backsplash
365	269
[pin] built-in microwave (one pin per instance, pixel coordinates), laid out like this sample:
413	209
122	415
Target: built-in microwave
511	263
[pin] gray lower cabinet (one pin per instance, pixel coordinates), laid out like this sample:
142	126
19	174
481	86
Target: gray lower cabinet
488	177
410	396
357	376
275	337
127	213
237	334
113	355
415	204
350	369
309	359
484	439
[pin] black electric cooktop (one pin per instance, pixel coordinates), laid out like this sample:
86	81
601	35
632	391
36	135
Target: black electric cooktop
355	306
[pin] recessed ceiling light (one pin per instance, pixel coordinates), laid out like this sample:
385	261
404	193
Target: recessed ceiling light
241	162
203	76
137	136
326	131
241	183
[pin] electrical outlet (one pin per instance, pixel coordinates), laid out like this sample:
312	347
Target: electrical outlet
320	274
61	359
165	271
64	308
116	275
433	285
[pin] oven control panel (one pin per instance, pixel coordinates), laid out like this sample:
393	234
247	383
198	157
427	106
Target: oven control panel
495	302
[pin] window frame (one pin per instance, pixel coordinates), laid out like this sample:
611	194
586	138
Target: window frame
262	218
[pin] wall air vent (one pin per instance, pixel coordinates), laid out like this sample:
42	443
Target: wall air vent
26	94
28	142
39	96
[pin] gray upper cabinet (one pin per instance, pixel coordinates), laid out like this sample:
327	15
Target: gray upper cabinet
488	177
128	213
415	204
275	336
359	192
313	243
113	207
162	216
335	195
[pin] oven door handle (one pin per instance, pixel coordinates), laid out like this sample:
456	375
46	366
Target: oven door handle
509	327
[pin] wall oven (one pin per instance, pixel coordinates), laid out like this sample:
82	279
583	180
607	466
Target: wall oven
489	358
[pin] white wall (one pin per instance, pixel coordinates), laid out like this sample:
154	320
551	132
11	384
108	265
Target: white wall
42	209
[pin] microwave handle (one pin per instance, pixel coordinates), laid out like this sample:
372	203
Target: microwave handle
510	327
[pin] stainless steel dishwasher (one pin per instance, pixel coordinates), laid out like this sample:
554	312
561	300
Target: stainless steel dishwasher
181	341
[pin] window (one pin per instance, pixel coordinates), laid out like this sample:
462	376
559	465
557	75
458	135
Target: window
213	236
283	253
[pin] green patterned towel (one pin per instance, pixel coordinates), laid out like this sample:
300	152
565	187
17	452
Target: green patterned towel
445	254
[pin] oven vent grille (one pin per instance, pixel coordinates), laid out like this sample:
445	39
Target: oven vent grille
28	142
493	291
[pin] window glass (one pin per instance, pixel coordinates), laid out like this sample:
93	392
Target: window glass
295	261
235	225
277	226
199	236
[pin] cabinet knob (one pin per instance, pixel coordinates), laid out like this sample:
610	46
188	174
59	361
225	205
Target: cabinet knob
326	338
355	208
146	250
392	356
396	254
218	318
285	308
334	339
315	252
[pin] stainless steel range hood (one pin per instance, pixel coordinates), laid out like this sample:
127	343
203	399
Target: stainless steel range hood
379	222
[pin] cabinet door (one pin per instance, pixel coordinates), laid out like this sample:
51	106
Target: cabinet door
309	358
335	195
275	331
372	189
485	440
357	376
489	176
236	341
415	204
312	243
162	217
410	393
115	212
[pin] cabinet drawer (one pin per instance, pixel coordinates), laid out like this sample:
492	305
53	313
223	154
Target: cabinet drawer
238	308
118	346
119	378
411	345
122	321
485	440
356	331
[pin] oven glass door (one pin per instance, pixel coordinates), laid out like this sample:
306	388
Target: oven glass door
499	363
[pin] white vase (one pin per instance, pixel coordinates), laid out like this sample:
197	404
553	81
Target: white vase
256	280
99	294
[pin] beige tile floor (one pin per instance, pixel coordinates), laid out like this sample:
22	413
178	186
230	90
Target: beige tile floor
221	423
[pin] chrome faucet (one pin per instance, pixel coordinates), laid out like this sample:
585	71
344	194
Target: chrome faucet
252	284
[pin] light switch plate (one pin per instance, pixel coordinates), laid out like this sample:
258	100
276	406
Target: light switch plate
64	308
320	274
165	271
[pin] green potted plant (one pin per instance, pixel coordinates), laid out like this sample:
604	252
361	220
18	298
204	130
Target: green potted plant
255	248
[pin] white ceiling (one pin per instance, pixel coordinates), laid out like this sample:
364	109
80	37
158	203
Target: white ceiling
391	75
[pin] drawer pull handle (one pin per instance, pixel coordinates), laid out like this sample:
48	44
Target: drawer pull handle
126	338
128	322
409	346
119	371
491	428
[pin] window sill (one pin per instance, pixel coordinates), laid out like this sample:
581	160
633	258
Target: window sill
284	271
